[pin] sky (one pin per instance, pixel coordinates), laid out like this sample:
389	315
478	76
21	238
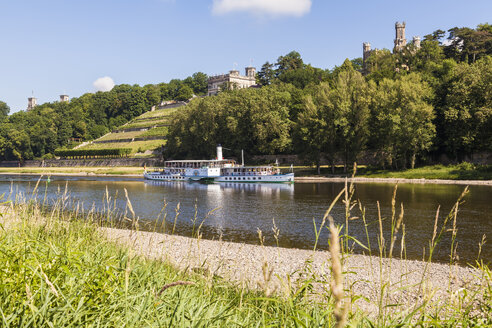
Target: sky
54	47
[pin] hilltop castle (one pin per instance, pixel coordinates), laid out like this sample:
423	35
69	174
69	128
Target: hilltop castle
399	43
232	80
33	102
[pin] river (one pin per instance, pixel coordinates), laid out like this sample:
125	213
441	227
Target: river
235	212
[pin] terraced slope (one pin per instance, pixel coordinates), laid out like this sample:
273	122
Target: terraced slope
145	133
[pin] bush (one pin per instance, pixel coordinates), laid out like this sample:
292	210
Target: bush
465	166
91	153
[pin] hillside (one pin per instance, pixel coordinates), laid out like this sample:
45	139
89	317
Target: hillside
144	134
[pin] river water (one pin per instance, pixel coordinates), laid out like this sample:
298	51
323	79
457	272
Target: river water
235	212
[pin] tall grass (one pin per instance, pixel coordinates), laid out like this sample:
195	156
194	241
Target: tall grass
59	269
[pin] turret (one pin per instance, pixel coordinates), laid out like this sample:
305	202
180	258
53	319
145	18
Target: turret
400	40
250	72
31	103
416	42
366	50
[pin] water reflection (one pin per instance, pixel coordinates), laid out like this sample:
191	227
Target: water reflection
239	210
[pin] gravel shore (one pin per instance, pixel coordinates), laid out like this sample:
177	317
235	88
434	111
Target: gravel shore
408	283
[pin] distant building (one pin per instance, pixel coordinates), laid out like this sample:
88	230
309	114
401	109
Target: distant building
399	43
232	80
31	103
64	98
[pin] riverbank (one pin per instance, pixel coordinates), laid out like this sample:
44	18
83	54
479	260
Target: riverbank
393	180
365	276
136	172
59	270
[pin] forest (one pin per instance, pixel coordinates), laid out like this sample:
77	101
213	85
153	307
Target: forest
39	132
404	108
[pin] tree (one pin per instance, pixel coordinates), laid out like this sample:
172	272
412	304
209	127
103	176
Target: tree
200	83
469	45
350	100
4	110
302	77
381	64
402	117
266	74
256	120
314	132
467	108
184	93
291	61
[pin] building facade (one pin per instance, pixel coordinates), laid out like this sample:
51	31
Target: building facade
233	80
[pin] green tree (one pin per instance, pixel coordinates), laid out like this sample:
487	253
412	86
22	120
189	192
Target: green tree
291	61
314	133
467	108
266	74
4	110
350	100
184	93
402	117
200	83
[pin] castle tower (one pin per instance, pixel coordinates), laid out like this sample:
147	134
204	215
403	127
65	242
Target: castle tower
400	40
366	51
251	72
31	103
416	42
64	98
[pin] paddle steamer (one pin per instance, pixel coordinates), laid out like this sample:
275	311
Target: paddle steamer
217	170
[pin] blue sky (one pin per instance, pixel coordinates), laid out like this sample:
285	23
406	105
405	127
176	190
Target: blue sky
53	47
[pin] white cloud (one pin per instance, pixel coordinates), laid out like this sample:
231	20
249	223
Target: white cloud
263	7
103	84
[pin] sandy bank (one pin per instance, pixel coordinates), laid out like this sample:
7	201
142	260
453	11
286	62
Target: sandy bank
242	263
393	180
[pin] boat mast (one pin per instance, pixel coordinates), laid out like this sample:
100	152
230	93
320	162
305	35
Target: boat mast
242	157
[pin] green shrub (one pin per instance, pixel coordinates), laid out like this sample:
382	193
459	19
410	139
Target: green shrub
92	153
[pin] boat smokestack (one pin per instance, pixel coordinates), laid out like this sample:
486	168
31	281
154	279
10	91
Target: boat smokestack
219	152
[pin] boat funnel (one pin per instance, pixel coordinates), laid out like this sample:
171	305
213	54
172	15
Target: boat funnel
219	152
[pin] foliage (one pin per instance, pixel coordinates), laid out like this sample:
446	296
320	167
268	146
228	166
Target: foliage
402	119
38	132
4	110
260	114
88	153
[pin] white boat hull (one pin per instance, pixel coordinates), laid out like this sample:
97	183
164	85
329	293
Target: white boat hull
164	177
273	178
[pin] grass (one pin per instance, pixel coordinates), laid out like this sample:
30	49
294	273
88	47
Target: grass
59	270
121	135
463	171
123	170
160	131
136	146
158	113
143	124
